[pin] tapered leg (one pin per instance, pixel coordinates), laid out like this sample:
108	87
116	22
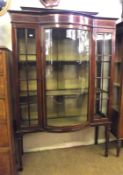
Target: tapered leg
96	134
21	144
107	131
118	148
20	152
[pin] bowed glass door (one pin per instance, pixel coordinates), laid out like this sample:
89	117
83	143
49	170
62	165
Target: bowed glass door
66	76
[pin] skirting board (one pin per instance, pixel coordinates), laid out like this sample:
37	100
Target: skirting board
65	145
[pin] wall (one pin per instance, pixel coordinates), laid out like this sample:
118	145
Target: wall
41	141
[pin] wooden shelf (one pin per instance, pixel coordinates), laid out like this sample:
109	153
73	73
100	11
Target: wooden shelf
118	61
67	61
31	93
65	116
27	58
116	84
67	92
116	108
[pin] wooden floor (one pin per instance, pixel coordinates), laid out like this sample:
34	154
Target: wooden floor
84	160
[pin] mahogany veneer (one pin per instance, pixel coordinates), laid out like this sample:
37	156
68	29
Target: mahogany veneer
7	153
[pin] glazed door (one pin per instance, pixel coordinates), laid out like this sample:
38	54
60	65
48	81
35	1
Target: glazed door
26	79
104	54
67	53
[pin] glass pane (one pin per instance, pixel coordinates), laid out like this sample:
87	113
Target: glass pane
32	85
51	77
28	85
27	71
33	111
98	84
99	69
29	111
107	44
29	114
100	44
21	41
66	110
117	73
73	46
104	108
105	86
22	71
51	46
24	115
67	76
106	69
32	73
103	46
116	98
23	85
101	103
71	76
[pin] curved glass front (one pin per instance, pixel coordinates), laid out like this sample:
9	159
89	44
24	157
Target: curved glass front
66	76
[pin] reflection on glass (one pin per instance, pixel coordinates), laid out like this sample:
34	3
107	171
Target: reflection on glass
102	73
67	77
26	44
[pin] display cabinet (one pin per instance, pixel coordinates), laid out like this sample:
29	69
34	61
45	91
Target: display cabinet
63	70
7	151
117	111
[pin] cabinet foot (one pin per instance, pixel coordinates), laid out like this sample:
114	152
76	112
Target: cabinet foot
118	148
107	131
19	141
96	134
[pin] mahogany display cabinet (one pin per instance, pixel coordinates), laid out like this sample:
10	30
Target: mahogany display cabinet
63	70
117	109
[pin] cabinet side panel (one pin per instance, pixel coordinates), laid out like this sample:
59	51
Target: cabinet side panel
7	163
